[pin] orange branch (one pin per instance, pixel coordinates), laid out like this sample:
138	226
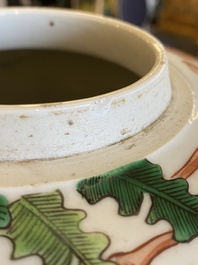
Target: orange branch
189	167
144	254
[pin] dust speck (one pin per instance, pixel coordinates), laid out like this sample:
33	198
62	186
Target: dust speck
70	122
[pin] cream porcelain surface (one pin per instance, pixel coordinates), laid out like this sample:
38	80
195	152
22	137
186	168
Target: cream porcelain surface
169	142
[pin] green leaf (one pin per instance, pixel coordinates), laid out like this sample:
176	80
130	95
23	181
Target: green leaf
4	212
42	226
170	198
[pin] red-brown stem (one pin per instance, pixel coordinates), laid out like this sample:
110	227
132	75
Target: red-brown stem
144	254
189	167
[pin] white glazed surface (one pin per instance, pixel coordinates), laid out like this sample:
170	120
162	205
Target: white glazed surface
169	142
70	127
170	156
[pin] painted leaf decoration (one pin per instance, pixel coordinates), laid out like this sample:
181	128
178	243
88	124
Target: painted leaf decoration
42	226
170	198
4	212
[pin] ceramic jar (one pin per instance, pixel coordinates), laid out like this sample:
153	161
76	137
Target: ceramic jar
100	180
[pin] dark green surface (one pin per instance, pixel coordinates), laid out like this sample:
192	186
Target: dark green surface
170	198
5	217
42	76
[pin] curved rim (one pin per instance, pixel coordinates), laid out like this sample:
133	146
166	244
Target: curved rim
158	48
177	127
62	129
